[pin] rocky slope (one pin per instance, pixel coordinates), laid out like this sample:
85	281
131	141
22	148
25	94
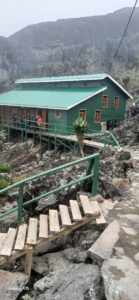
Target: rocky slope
63	269
72	46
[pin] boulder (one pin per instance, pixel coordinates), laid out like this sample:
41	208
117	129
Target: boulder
68	281
121	183
12	284
108	189
120	279
123	155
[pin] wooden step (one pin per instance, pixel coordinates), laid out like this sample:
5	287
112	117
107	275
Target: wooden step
75	210
65	217
43	228
96	208
53	221
100	219
2	239
86	205
32	232
21	237
8	243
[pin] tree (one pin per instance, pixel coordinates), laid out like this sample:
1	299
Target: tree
126	80
80	125
2	139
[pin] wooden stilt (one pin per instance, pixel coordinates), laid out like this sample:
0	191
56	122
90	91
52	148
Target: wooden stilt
28	262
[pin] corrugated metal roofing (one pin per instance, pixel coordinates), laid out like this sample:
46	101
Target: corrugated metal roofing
52	98
73	78
63	78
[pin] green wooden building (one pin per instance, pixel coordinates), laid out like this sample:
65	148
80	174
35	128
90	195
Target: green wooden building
60	100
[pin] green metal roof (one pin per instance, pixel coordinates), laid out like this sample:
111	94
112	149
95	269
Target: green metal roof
52	98
74	78
63	78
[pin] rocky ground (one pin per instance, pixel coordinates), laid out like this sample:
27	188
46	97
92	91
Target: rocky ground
65	270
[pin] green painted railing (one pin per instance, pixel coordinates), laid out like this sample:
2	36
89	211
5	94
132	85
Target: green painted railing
29	126
92	173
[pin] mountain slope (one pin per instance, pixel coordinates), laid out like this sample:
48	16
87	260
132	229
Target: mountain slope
74	46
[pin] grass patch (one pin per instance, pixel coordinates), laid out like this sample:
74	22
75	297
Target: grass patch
5	167
3	183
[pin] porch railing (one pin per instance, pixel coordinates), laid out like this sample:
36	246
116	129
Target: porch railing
29	126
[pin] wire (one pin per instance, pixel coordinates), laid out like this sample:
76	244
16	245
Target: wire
115	55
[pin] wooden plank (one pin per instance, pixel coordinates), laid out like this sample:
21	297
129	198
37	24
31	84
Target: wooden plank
96	208
28	262
43	229
32	231
53	221
2	239
21	236
64	232
76	214
86	205
100	219
65	217
6	250
103	247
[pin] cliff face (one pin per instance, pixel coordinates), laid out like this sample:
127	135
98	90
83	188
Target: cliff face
72	46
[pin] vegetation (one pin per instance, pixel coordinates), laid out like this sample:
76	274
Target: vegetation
80	125
126	80
2	139
3	183
5	167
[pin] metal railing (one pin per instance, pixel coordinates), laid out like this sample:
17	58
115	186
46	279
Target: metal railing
29	126
92	174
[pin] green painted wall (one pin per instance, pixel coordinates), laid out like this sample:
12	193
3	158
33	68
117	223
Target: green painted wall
60	124
64	123
91	106
112	113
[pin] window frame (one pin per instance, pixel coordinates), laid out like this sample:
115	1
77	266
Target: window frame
116	102
58	114
105	104
84	112
96	120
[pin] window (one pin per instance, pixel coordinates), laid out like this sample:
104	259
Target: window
97	118
58	114
116	102
105	101
83	113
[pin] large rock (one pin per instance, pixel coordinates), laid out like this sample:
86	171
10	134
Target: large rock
121	279
108	189
8	221
68	281
12	284
123	155
121	183
45	204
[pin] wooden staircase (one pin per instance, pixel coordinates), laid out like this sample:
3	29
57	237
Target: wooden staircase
30	237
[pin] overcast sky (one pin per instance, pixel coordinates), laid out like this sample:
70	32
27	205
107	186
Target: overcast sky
16	14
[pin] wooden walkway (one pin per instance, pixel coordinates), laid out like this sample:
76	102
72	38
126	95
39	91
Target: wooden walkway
73	138
30	237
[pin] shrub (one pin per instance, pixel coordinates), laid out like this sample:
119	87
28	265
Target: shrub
80	125
3	184
2	139
5	167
